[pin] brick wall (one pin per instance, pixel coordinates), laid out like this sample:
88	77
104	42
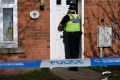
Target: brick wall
34	35
95	10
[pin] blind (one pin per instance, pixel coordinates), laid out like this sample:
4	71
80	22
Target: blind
7	1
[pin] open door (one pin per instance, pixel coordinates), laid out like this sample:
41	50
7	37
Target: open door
58	9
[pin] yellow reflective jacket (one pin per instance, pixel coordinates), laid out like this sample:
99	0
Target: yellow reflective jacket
73	25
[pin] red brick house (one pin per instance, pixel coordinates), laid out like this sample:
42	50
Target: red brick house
34	39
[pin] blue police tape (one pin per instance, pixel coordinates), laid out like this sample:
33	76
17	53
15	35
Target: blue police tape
61	63
20	64
105	61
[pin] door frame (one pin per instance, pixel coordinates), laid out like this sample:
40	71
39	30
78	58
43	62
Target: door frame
52	13
82	25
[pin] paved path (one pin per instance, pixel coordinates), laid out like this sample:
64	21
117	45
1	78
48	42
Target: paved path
82	74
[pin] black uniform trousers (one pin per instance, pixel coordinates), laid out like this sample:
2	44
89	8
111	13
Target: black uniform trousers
71	43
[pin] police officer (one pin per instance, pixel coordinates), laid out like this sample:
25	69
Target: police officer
70	25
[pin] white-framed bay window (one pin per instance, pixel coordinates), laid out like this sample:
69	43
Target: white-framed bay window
8	24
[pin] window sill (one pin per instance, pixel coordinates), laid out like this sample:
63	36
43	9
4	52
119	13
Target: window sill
11	50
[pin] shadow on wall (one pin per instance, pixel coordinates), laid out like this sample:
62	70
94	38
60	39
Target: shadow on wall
102	12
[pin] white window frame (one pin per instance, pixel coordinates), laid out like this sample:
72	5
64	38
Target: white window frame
14	43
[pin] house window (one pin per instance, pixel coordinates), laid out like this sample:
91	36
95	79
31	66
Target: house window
68	2
58	2
8	24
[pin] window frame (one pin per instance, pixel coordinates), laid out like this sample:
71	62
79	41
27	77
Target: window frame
14	43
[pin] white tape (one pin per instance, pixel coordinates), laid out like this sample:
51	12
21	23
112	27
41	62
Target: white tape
65	63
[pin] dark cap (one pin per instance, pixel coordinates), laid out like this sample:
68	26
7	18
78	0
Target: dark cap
72	6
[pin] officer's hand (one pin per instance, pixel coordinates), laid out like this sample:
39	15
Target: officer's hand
60	27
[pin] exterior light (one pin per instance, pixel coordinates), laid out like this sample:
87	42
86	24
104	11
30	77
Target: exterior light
42	5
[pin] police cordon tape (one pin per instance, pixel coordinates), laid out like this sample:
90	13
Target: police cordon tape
61	63
65	63
20	64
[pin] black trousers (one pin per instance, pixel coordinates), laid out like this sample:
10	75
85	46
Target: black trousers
71	43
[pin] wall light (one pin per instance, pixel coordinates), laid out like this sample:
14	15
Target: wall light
42	5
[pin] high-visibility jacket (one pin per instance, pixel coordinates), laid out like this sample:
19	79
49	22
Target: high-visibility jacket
73	25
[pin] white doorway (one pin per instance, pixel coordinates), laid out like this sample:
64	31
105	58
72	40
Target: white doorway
58	9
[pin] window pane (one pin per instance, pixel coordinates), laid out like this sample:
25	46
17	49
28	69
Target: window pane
58	2
7	24
7	1
70	1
